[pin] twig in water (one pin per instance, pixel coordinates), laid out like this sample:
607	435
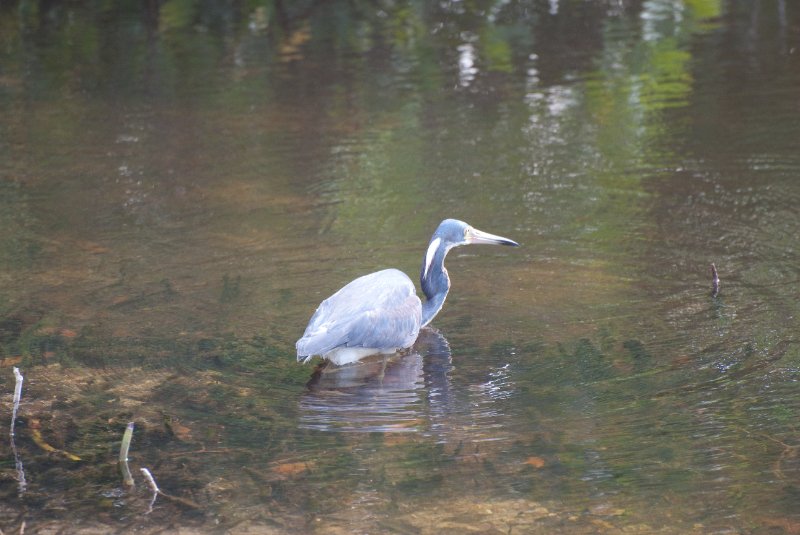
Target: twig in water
198	452
17	462
789	452
714	281
17	396
127	478
20	469
153	486
150	480
36	436
158	492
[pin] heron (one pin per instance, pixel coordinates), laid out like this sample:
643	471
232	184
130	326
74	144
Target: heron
380	313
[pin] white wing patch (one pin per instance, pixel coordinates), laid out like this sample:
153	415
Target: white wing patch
430	254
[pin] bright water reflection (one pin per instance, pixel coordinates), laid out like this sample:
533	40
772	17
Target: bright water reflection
409	394
180	186
383	394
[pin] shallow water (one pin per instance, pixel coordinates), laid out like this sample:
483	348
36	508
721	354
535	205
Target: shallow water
182	184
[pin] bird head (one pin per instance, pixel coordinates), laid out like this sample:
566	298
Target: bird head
453	232
433	276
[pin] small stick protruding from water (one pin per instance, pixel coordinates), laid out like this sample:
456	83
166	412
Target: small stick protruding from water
152	482
17	396
714	281
17	461
127	478
157	491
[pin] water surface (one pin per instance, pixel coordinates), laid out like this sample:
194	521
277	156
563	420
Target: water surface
182	183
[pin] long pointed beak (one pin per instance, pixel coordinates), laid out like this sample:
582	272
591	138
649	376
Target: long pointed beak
474	235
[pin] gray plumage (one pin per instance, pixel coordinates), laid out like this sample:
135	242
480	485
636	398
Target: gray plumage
380	312
389	318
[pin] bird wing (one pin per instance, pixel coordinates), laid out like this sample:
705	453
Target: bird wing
380	311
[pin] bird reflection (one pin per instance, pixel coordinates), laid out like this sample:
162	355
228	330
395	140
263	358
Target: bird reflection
397	393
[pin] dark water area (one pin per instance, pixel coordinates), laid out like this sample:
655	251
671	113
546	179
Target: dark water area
182	182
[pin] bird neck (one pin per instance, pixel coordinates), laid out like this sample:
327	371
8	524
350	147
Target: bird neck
434	281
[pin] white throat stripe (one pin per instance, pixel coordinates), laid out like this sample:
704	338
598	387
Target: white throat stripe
429	255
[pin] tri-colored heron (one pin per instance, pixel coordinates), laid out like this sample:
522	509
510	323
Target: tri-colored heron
380	312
